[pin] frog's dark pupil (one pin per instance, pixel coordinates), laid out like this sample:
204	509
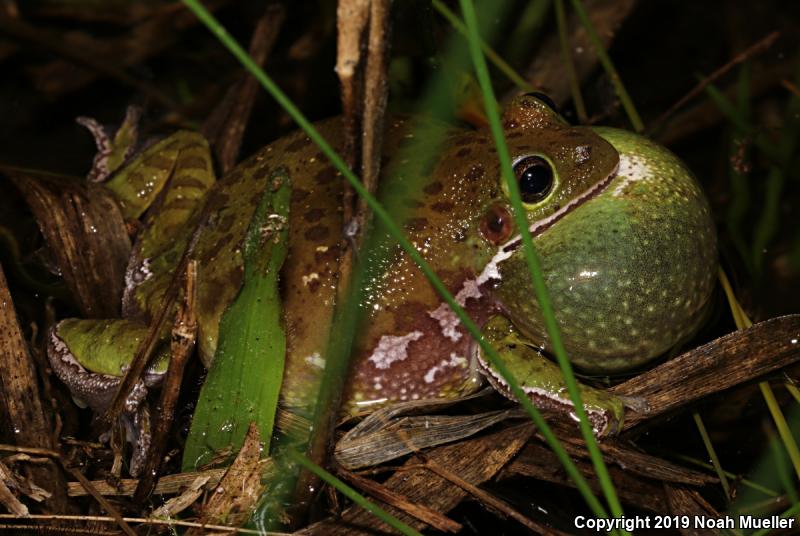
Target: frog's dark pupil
535	176
495	223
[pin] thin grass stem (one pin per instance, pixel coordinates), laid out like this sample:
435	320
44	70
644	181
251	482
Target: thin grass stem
498	62
353	495
712	453
394	230
782	426
608	65
533	262
569	65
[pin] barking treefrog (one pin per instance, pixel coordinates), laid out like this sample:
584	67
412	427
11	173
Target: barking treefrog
624	232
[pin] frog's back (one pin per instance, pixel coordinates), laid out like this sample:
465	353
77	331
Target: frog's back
433	210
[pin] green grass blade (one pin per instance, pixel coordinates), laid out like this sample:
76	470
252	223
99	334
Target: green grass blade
245	378
793	390
498	62
522	39
781	425
732	114
712	453
745	482
782	468
791	512
394	230
569	65
608	65
533	261
736	216
353	495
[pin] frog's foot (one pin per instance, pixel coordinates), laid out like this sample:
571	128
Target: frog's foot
112	152
541	379
96	390
138	435
88	388
639	404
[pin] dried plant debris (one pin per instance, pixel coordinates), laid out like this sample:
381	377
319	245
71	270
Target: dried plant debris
487	455
62	60
236	494
87	236
738	357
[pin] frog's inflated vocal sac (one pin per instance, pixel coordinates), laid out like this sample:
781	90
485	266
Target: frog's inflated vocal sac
624	233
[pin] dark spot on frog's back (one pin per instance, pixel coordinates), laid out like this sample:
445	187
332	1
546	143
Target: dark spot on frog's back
325	175
191	162
186	181
412	203
317	233
158	161
433	188
313	286
315	214
475	173
463	152
209	254
416	224
443	207
329	254
410	312
297	145
218	200
298	195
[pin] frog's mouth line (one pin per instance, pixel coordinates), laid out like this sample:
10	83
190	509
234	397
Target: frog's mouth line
540	226
505	251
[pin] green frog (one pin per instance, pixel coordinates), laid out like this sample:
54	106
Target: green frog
623	230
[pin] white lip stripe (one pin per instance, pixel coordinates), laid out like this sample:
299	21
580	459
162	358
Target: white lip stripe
490	271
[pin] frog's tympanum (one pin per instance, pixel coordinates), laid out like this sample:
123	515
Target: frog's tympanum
623	231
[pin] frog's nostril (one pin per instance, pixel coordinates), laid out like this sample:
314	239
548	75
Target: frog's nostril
497	224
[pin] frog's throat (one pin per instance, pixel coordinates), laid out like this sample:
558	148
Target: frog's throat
490	271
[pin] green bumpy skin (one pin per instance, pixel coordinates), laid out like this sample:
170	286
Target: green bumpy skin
105	345
629	272
542	381
624	234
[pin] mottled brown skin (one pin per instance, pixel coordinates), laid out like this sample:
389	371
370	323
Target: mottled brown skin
441	191
602	236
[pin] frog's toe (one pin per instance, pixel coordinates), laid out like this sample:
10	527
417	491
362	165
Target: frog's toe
137	434
638	404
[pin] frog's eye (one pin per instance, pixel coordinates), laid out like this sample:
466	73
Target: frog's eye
545	98
497	224
535	178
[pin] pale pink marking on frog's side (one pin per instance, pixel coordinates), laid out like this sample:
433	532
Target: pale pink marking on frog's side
454	361
447	318
315	360
392	348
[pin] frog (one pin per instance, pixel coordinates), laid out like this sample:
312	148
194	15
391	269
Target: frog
622	227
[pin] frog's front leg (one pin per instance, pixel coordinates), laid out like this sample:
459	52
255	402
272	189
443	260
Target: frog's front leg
542	381
90	357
